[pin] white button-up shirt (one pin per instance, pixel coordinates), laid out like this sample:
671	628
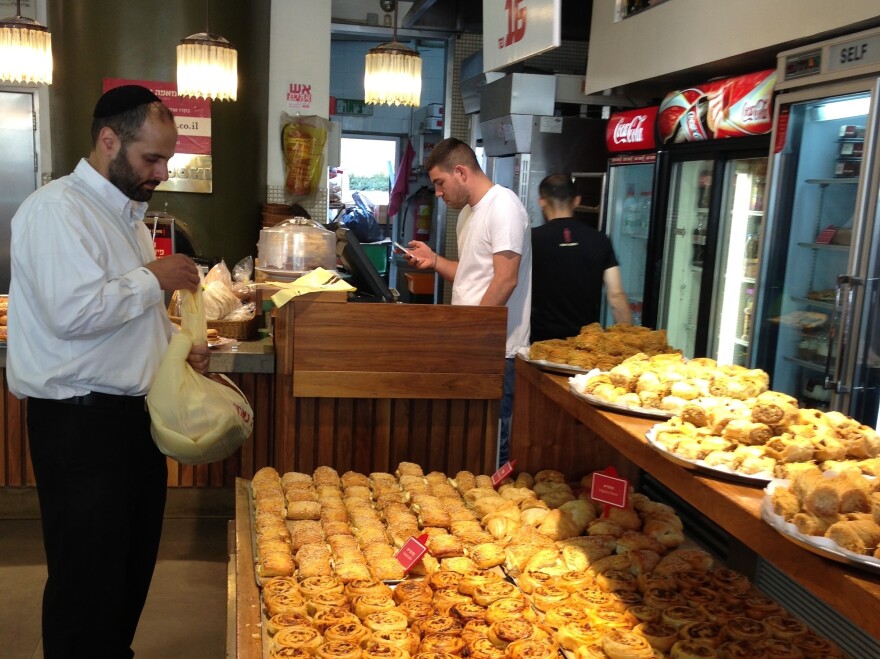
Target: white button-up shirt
84	313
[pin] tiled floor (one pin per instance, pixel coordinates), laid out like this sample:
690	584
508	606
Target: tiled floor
185	614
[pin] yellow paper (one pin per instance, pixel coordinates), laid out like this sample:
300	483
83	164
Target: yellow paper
317	280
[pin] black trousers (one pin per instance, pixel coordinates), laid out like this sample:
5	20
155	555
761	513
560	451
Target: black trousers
102	484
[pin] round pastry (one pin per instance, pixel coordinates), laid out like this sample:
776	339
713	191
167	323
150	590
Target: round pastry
364	605
622	644
279	585
328	600
730	579
708	633
445	599
689	649
338	650
482	648
745	629
404	640
358	587
662	598
679	616
374	650
777	648
697	596
785	627
623	600
574	581
328	617
505	632
510	607
533	648
416	610
437	625
529	581
290	653
312	586
692	579
592	651
449	643
289	602
591	598
468	583
547	596
282	620
611	618
654	580
816	646
444	579
644	613
351	632
577	633
741	650
617	580
413	590
659	635
475	629
383	621
307	638
487	593
559	615
466	611
721	612
759	607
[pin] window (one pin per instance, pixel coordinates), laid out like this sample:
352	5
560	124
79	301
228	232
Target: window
367	165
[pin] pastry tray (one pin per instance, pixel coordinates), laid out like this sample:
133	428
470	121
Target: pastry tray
651	413
815	544
757	479
550	366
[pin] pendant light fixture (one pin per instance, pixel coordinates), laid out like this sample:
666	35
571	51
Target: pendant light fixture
393	73
25	50
207	65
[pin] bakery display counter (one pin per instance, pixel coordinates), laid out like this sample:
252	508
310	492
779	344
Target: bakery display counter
554	429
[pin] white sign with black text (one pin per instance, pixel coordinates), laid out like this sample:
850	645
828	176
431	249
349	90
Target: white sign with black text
514	30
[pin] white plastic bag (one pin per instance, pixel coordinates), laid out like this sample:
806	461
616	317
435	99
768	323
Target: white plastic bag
195	419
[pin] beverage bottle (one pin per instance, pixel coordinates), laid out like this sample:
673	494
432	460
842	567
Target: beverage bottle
747	314
704	186
630	212
698	241
644	213
751	255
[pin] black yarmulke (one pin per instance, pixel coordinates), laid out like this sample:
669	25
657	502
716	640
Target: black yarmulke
121	99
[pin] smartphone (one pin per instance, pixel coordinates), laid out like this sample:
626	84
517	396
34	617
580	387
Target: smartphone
400	248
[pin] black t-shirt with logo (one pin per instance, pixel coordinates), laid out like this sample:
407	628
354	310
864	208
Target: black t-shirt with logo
569	259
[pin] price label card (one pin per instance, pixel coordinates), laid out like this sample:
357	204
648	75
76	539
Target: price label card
412	551
825	235
505	471
609	489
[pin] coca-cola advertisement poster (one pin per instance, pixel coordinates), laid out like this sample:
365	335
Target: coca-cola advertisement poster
631	130
731	107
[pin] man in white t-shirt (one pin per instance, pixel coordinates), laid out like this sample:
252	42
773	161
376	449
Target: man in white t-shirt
495	254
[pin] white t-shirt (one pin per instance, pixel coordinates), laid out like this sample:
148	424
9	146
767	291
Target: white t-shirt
498	223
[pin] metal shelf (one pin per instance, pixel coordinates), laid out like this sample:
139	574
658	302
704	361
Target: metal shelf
824	246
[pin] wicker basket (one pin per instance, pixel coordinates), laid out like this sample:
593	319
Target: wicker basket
231	329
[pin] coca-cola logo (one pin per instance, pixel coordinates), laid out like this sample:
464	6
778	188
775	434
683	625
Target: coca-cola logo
693	126
631	132
759	111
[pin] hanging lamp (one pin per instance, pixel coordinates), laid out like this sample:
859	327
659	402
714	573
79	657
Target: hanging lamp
393	73
25	50
207	66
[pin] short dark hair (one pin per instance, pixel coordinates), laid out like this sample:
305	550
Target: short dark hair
128	124
452	152
557	188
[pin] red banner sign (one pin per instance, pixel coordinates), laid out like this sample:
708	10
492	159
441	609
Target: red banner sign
607	488
732	107
412	551
503	472
631	130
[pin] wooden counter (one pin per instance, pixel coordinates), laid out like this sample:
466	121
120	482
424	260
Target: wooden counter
554	429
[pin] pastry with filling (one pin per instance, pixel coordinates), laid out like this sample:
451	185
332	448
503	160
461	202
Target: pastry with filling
533	648
659	635
364	605
389	620
505	632
338	650
350	632
307	638
679	616
624	644
441	643
290	653
374	650
689	649
281	620
386	568
745	629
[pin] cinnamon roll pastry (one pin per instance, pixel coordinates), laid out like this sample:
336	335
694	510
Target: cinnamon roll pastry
312	586
414	610
307	638
447	643
708	633
529	581
279	585
357	587
617	580
505	632
327	600
444	579
561	614
760	607
328	617
662	598
413	590
624	600
483	648
745	629
653	580
721	612
547	596
290	653
611	619
688	649
741	650
730	579
350	632
338	650
574	581
697	596
816	646
591	598
446	598
693	579
468	583
659	635
510	607
475	629
281	620
577	633
532	648
776	648
466	611
644	613
592	651
374	650
487	593
389	620
624	644
291	603
678	616
436	625
364	605
404	640
785	627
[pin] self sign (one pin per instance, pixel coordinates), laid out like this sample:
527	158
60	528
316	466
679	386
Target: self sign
853	54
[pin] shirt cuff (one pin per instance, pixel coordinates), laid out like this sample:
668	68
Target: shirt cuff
146	281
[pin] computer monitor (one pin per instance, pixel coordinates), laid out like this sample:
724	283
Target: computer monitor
364	275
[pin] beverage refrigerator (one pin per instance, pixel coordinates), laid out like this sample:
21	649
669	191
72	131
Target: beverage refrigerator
817	330
707	218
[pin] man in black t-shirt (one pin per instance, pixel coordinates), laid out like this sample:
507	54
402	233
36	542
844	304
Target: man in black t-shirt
571	261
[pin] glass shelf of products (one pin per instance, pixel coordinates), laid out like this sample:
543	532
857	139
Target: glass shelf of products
850	180
819	304
825	246
813	366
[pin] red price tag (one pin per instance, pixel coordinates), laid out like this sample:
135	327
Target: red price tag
825	235
609	489
162	247
412	551
505	471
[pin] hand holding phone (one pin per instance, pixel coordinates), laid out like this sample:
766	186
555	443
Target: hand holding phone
403	250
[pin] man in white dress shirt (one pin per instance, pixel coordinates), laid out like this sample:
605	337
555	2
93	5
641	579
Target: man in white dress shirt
87	330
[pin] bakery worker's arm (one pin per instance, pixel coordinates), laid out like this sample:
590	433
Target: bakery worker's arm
424	258
506	269
616	296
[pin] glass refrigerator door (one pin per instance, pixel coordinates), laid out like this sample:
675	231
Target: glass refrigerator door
629	210
684	249
816	205
739	236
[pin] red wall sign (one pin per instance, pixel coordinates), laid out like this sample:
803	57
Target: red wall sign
631	130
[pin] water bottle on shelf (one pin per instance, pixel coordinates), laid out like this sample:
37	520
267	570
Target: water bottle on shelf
630	212
644	214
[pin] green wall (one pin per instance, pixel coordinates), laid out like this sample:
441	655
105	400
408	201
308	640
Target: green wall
97	39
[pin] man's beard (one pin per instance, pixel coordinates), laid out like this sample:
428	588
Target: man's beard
123	176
